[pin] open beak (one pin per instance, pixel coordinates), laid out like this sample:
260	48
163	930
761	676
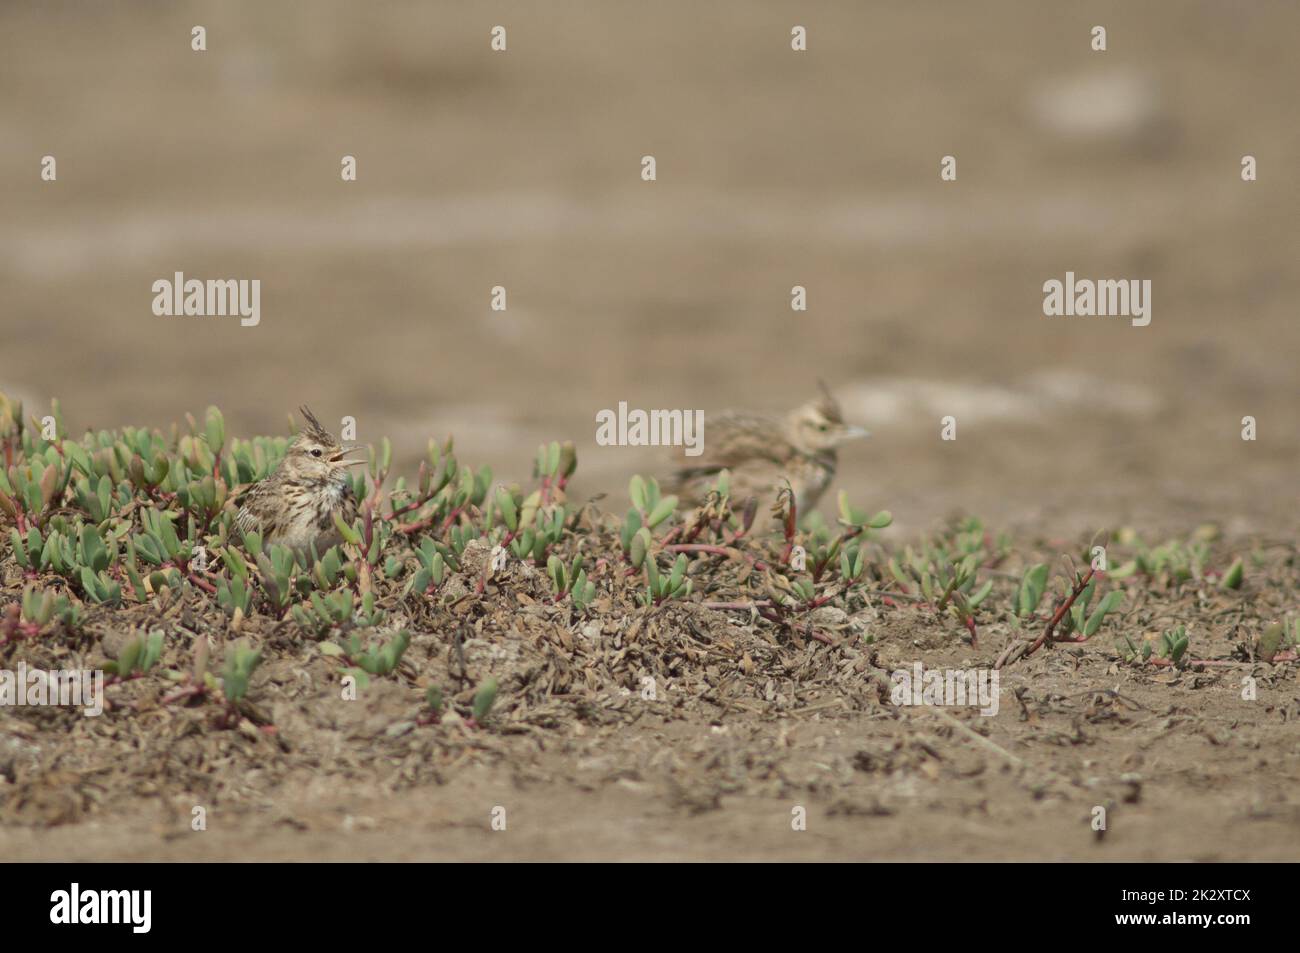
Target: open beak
346	451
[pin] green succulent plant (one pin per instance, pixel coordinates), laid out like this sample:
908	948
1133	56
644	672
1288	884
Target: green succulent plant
571	581
660	587
241	660
137	656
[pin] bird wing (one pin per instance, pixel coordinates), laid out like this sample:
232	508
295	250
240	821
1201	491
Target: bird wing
733	440
252	505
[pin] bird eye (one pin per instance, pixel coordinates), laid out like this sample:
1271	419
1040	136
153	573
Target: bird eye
316	452
823	427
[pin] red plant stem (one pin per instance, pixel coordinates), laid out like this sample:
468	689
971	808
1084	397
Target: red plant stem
408	528
451	518
414	505
1060	613
398	511
202	583
824	639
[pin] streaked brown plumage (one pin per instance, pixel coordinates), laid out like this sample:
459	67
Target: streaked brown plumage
295	505
762	452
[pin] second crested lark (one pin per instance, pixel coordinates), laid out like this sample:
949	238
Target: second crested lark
762	452
295	505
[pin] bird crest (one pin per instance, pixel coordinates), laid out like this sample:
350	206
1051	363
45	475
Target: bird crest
827	405
313	427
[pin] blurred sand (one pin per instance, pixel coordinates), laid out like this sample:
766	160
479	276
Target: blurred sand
775	169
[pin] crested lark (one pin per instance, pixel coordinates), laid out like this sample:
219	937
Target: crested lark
763	452
295	505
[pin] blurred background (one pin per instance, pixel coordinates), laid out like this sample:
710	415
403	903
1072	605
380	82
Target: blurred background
775	169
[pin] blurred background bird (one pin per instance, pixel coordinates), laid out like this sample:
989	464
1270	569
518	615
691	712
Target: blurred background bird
296	504
762	452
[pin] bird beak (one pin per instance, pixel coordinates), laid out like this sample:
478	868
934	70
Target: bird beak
352	448
853	433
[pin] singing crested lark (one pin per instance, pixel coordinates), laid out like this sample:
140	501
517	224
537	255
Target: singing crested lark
295	505
763	452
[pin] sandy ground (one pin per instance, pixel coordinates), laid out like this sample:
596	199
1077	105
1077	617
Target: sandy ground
775	169
751	728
